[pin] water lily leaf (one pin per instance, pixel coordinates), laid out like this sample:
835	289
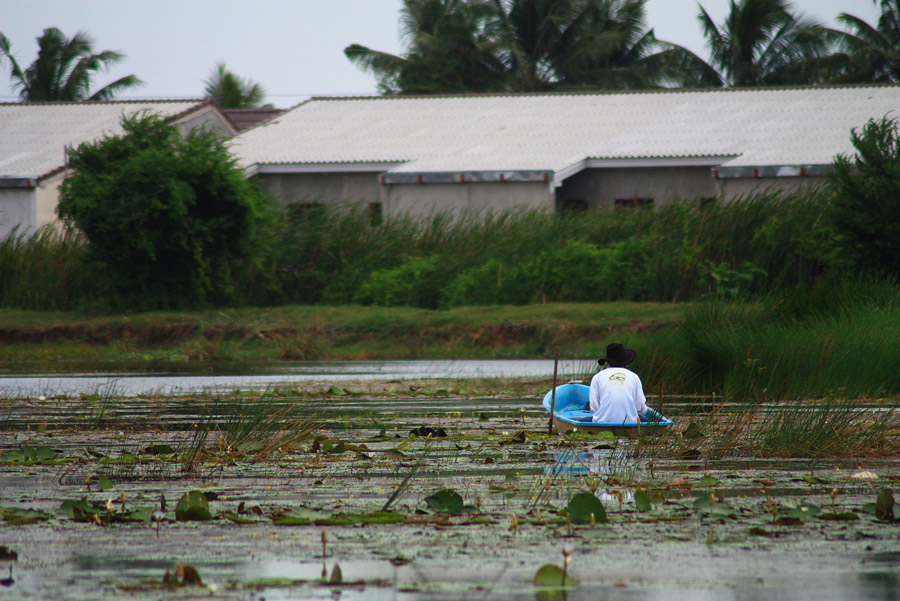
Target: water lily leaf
15	516
810	479
158	449
845	516
758	531
76	509
642	501
381	517
42	453
445	500
713	507
582	505
193	506
299	516
104	484
336	391
142	514
708	481
884	506
240	519
336	576
551	575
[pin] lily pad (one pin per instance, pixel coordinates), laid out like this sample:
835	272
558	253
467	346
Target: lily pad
713	507
446	500
845	516
193	506
708	481
582	505
15	516
884	506
642	501
300	516
550	575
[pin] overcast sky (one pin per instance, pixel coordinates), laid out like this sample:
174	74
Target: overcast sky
294	48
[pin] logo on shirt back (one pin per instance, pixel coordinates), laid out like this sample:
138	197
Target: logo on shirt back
617	379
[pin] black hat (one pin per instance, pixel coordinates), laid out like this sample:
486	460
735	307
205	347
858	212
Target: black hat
617	355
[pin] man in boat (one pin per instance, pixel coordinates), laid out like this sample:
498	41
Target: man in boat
617	396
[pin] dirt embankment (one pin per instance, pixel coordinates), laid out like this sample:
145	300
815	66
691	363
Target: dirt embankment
159	335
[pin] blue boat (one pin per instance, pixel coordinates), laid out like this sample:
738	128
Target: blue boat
570	413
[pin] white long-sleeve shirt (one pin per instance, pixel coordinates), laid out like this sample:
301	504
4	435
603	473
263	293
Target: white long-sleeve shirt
617	396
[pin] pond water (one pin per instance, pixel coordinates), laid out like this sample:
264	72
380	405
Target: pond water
130	379
672	552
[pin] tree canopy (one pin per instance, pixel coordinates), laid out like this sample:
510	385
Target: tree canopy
63	69
868	53
231	91
763	43
169	219
527	45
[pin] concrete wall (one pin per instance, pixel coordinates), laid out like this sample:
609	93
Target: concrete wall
734	187
47	198
424	200
290	188
601	187
16	208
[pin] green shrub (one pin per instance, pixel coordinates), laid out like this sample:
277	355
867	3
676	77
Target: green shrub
169	218
865	209
416	282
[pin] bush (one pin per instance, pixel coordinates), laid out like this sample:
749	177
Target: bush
865	208
168	219
417	282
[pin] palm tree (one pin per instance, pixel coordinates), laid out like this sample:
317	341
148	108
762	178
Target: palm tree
449	50
566	44
63	69
528	45
869	53
231	91
762	43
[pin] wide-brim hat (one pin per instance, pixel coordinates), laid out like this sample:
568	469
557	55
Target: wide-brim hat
617	355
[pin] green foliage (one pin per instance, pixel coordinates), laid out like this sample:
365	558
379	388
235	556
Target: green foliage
760	244
169	219
418	282
865	210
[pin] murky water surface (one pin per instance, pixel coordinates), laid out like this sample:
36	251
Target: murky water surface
669	553
129	379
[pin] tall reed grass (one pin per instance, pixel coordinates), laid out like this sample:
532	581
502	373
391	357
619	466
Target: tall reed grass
772	240
768	241
837	339
46	271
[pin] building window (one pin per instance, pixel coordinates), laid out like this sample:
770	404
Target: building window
375	213
633	203
571	205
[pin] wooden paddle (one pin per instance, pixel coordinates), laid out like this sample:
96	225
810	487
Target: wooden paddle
553	392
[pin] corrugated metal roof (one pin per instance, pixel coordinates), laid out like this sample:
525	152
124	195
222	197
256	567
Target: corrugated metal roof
34	136
772	126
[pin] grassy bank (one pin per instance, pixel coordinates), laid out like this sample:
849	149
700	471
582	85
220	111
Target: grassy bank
339	332
836	340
